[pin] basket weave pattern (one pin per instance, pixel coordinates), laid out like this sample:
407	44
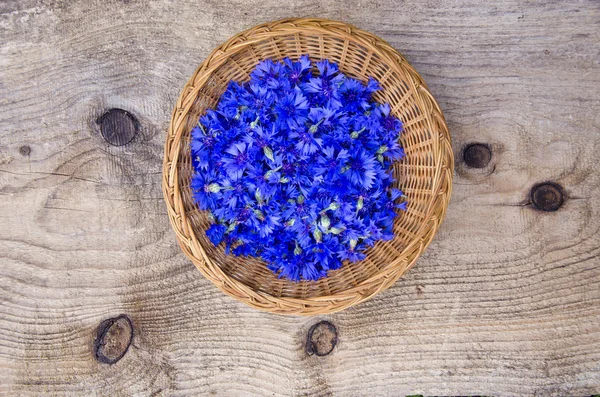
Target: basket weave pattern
425	174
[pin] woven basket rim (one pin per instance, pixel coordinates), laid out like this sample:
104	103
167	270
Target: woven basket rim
388	275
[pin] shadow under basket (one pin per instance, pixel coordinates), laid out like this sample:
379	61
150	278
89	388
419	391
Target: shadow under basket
424	175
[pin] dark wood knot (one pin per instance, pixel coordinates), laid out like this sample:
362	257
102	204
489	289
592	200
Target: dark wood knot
25	150
477	155
322	338
113	338
118	127
547	196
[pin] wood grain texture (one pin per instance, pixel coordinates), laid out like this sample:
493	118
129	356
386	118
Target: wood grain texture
505	301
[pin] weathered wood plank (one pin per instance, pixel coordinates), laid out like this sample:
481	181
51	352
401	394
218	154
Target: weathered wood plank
504	302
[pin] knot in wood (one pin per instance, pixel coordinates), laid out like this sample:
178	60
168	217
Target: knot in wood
547	196
322	338
477	155
118	127
113	338
25	150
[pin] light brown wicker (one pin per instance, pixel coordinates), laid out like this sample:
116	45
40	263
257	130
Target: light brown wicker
425	175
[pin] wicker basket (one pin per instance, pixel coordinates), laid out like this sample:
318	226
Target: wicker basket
425	174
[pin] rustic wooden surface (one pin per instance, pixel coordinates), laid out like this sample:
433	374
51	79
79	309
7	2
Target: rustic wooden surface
506	300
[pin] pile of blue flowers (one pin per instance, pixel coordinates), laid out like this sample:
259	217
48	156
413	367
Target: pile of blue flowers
294	168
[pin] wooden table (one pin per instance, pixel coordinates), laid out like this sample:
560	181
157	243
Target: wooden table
506	300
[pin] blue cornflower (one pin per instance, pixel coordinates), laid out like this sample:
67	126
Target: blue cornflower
262	139
353	95
243	249
258	182
205	189
301	210
248	217
234	191
388	122
303	232
324	255
268	224
361	168
290	269
297	71
292	109
374	231
216	233
372	86
396	195
260	99
392	151
306	143
318	119
328	70
331	165
352	255
288	151
267	73
326	92
239	161
202	146
312	271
